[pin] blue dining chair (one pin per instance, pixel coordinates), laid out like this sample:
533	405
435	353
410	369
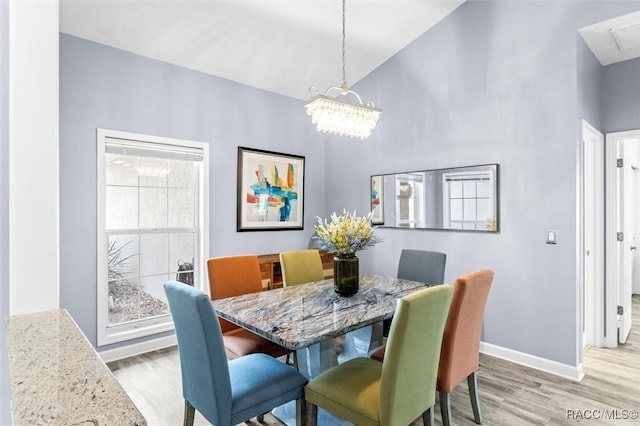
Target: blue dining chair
225	392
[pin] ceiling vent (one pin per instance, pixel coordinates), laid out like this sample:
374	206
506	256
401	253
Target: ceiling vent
627	37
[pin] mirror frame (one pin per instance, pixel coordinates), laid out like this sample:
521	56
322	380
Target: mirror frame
380	198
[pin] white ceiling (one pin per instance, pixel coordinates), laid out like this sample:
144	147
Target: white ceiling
284	46
600	40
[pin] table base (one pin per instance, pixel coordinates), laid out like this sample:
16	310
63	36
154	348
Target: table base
317	358
287	414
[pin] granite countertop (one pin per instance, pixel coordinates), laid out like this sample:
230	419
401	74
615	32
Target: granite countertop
57	378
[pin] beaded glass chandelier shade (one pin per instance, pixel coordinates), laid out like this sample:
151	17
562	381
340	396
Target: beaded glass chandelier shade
338	115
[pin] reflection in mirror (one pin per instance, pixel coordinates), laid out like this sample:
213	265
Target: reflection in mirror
462	198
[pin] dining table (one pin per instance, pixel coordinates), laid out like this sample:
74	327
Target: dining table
308	318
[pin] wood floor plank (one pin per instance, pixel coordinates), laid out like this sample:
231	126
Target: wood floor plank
510	394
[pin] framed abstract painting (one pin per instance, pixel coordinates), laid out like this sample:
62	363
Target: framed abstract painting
377	207
270	190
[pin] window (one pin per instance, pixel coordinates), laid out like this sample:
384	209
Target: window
152	212
410	203
468	200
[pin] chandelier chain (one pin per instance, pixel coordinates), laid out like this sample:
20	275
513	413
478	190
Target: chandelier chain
344	55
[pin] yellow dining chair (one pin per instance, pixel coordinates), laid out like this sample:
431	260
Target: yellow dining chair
301	266
233	276
401	388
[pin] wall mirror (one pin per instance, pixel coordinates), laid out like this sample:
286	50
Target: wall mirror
460	198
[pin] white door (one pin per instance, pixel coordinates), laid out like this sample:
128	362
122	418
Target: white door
622	149
635	274
592	236
627	246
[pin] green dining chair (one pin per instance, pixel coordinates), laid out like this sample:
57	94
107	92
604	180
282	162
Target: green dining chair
301	266
460	352
400	389
225	392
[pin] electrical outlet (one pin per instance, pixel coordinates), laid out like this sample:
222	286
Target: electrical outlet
552	237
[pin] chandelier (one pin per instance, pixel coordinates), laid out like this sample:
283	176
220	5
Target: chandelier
340	116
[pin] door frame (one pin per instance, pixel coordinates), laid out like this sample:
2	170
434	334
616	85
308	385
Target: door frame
592	300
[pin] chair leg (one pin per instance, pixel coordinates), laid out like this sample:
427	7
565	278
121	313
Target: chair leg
428	417
189	413
445	407
260	418
312	414
472	381
301	411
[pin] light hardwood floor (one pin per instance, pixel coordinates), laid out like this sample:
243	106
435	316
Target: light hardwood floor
510	394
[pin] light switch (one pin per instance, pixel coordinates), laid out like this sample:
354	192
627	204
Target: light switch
552	237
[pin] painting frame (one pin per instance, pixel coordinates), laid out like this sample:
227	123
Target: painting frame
377	207
270	190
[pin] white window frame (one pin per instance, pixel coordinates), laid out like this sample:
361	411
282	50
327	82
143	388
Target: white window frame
470	176
108	335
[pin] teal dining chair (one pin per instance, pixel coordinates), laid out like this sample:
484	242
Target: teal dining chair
422	265
401	388
225	392
419	265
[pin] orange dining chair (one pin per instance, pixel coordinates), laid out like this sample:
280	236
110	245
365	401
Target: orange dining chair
234	276
459	356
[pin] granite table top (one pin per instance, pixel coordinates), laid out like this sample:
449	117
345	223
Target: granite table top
57	378
300	316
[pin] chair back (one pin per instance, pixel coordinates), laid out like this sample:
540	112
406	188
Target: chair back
205	372
410	366
233	276
301	266
461	342
422	265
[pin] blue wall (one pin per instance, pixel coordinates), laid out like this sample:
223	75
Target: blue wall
103	87
5	390
493	82
589	72
621	96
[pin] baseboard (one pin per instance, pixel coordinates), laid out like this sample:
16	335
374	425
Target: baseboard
109	355
571	372
575	373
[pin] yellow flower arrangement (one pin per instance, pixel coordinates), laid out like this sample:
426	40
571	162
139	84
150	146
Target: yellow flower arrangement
345	234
